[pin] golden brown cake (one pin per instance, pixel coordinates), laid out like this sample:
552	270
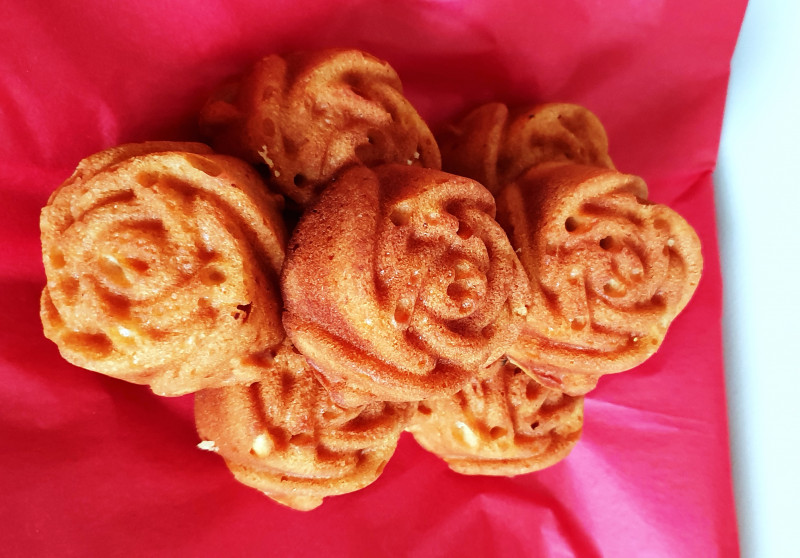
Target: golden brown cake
309	115
609	271
162	262
399	285
494	145
286	437
501	423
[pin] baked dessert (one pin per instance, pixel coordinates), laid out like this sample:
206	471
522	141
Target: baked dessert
399	285
285	436
494	144
162	262
609	271
309	115
501	423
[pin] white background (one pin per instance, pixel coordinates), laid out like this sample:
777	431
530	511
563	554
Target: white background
758	206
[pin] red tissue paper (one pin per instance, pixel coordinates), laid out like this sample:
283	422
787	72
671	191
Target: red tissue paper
92	466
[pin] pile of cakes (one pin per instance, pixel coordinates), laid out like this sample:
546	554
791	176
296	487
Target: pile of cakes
321	284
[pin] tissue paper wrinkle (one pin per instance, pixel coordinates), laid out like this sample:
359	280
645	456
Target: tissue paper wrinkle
564	532
505	524
646	419
96	466
649	510
636	521
696	183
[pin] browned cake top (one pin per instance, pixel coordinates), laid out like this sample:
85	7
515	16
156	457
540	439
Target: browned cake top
309	115
162	267
501	423
494	144
286	437
609	271
400	285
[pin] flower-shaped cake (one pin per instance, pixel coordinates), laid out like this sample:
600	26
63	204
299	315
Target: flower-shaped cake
399	284
609	271
494	144
285	436
309	115
502	422
162	262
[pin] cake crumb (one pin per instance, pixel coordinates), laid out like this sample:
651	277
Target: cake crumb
208	445
263	154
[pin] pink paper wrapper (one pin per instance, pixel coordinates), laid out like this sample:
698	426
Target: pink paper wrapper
92	466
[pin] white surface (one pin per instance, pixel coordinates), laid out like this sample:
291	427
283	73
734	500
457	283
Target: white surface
758	201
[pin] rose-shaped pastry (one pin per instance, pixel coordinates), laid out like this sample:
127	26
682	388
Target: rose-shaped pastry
309	115
501	423
162	262
494	145
609	271
399	284
286	437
